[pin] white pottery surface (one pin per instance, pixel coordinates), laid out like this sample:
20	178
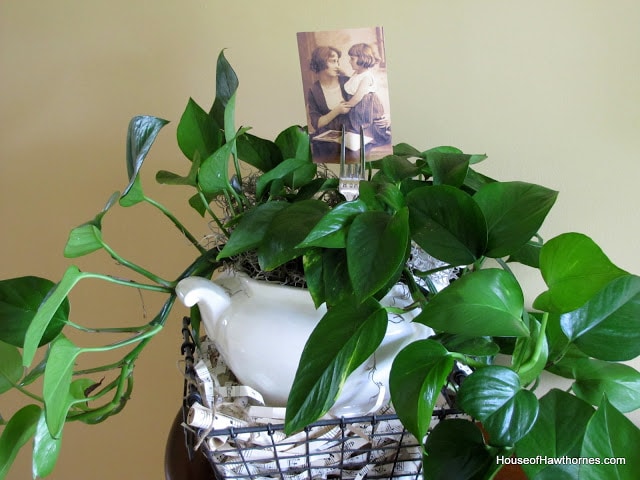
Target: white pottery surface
261	328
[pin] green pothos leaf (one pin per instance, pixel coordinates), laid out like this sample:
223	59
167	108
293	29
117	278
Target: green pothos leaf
494	395
610	435
485	302
46	312
343	339
331	230
198	134
456	449
574	268
141	134
57	383
10	366
46	449
18	431
514	212
557	432
376	247
447	223
417	375
286	230
608	325
20	299
83	240
326	275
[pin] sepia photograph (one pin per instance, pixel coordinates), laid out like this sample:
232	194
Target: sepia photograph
344	78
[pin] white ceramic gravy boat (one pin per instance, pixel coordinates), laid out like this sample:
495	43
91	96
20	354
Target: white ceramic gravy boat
260	330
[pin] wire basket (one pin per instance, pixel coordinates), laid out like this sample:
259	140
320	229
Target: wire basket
372	446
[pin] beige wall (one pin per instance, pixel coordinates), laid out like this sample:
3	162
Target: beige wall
548	89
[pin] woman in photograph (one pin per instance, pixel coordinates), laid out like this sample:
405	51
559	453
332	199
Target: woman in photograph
329	107
327	99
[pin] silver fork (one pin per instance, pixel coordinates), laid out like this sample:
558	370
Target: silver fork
351	173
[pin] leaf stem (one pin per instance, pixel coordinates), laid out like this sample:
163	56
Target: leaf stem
504	266
177	223
164	287
151	331
210	212
537	351
106	329
467	360
416	293
136	268
26	392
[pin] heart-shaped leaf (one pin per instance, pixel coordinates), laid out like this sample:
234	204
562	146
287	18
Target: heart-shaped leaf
286	230
213	177
330	232
468	345
486	302
528	254
558	432
343	339
57	382
16	433
46	312
455	449
610	435
251	229
448	168
226	86
294	143
397	168
87	237
198	133
83	240
20	299
191	179
376	248
287	168
495	396
447	223
10	367
574	268
258	152
46	449
325	271
608	326
141	134
514	212
594	378
417	375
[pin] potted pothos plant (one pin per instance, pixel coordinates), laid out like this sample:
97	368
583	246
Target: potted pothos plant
280	213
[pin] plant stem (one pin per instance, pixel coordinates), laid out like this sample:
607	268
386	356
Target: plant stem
136	268
152	330
124	386
467	360
106	329
177	223
210	212
164	287
416	293
27	392
103	368
537	351
504	266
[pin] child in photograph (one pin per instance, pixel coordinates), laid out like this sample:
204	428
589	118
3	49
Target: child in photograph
366	109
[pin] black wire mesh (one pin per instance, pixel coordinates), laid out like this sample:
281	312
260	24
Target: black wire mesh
371	446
